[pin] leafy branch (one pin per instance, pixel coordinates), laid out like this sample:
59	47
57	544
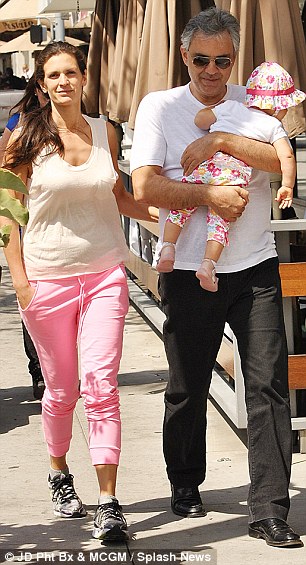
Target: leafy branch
11	207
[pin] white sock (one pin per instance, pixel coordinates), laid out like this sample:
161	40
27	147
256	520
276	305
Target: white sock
55	473
105	498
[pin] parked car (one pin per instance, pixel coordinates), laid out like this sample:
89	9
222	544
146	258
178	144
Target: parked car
8	99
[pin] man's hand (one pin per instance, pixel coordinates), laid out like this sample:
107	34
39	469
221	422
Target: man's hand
198	151
228	202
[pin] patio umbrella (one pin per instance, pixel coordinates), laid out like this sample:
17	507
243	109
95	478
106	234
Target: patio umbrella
160	65
19	10
101	55
271	31
23	43
126	55
20	15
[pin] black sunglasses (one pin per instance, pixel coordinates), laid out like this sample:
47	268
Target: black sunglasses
204	60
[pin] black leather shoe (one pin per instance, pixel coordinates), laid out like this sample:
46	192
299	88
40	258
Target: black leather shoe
276	532
186	502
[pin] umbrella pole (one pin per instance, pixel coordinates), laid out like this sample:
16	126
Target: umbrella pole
59	28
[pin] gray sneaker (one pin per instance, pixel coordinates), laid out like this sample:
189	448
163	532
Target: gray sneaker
109	522
66	502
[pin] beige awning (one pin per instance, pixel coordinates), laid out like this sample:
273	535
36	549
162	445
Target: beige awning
17	25
271	31
19	10
52	6
23	43
19	15
29	10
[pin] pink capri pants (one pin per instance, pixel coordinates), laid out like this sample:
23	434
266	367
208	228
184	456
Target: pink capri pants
89	311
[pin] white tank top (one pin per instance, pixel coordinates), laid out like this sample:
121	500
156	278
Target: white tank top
74	225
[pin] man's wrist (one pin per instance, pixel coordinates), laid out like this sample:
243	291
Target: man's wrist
221	141
208	195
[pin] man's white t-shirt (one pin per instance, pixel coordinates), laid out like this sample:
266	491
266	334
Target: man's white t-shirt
164	127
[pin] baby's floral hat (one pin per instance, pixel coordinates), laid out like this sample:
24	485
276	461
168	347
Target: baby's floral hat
271	87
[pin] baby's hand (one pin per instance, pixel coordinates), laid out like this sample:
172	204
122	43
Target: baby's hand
284	197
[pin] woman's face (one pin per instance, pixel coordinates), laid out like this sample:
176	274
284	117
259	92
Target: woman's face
63	80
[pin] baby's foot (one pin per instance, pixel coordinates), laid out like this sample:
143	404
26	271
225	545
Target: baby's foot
166	259
207	275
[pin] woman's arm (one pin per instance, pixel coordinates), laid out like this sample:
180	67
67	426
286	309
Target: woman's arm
3	143
12	252
126	202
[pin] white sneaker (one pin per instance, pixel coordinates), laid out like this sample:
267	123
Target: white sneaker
66	502
109	522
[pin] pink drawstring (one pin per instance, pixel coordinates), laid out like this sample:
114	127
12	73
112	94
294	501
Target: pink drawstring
81	304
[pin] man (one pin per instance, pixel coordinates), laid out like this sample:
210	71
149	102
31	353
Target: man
166	144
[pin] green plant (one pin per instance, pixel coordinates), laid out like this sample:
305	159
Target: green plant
11	207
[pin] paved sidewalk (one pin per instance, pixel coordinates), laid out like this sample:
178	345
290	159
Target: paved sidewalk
27	521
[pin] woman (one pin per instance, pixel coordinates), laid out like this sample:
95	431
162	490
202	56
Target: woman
70	280
33	98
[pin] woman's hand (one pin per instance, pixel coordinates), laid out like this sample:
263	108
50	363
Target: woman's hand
25	295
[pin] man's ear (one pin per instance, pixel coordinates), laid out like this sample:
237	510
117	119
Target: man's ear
84	81
184	54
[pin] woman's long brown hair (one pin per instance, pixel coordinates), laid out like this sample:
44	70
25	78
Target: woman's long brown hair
38	127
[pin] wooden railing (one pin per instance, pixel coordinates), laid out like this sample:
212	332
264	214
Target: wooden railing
293	278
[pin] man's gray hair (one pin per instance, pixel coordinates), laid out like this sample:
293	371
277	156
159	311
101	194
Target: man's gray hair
212	21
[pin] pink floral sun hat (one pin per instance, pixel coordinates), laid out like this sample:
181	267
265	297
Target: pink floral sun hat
271	87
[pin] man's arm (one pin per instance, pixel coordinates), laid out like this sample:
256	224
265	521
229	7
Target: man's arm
152	187
256	154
